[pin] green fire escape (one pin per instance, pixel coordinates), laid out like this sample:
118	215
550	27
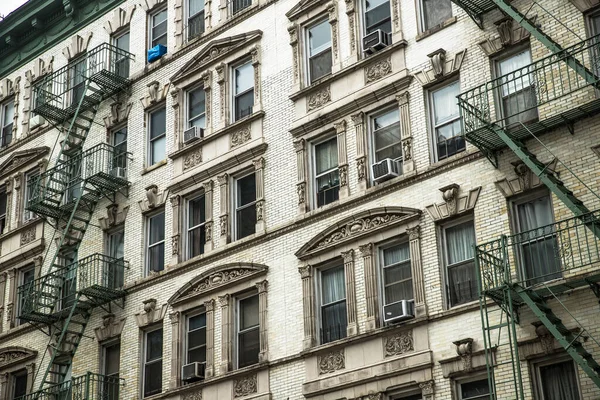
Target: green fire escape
60	302
555	91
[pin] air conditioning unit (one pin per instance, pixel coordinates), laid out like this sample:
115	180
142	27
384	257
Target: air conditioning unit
192	134
386	169
399	311
193	371
376	41
119	172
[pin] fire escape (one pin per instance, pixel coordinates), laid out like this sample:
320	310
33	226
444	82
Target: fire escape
559	90
61	302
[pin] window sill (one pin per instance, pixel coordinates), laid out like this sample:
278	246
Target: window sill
153	167
454	157
436	28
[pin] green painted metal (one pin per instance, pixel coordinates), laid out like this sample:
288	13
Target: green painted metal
86	387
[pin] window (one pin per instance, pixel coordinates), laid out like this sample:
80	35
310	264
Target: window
121	42
31	180
196	219
153	353
243	90
18	384
557	381
333	304
517	93
111	355
157	136
119	142
3	207
7	114
239	5
196	108
446	121
196	339
327	174
387	142
594	29
195	18
538	250
116	250
156	242
461	276
434	13
75	178
245	206
248	345
319	50
377	16
77	72
26	278
409	397
474	390
396	274
158	28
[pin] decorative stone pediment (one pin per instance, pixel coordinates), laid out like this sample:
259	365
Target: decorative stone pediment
78	46
121	18
441	67
215	51
15	355
361	224
110	328
508	34
113	217
543	343
585	5
302	7
148	5
151	314
9	87
40	68
218	278
454	203
524	180
119	113
19	158
153	199
155	94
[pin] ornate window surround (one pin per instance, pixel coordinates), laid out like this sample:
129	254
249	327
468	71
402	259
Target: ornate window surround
355	237
12	280
10	92
214	291
15	359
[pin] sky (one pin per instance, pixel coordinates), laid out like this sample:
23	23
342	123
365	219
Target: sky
6	6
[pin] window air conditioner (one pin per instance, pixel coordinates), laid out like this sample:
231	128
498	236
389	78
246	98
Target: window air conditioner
119	172
386	169
193	371
192	134
376	41
399	311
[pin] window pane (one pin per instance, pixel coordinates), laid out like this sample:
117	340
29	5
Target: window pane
197	321
320	65
154	345
246	190
153	378
333	321
246	221
517	81
435	12
462	283
196	240
332	285
196	355
112	356
197	338
20	385
195	6
459	242
475	390
445	104
196	211
159	151
9	113
377	16
559	381
156	257
158	123
535	214
244	78
157	228
328	188
248	312
319	37
326	155
122	42
387	136
248	348
244	104
196	104
119	137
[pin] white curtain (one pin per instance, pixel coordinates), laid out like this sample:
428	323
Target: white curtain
445	103
326	156
535	214
462	279
559	382
517	80
333	285
460	240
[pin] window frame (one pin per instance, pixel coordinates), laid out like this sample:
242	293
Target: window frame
544	362
12	382
103	362
115	145
313	168
151	26
73	83
236	207
189	17
150	140
399	241
237	324
371	135
186	347
431	120
147	241
458	385
188	119
28	215
3	107
20	282
234	67
318	20
363	19
145	355
115	40
232	11
422	19
189	229
319	300
4	213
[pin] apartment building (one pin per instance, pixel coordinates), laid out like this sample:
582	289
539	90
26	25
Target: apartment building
282	200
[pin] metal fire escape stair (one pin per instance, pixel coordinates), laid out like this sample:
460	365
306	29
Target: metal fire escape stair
63	299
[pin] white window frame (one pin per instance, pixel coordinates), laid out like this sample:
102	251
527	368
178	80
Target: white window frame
313	173
537	378
421	17
189	229
189	118
151	26
150	161
187	332
234	96
363	18
238	324
188	17
319	297
28	215
372	148
3	108
382	266
147	240
435	127
307	27
145	361
234	199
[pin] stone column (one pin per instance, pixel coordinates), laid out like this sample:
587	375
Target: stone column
262	318
362	167
408	163
8	186
30	376
209	306
414	235
427	390
340	129
180	25
353	31
352	328
223	12
2	293
178	126
176	253
259	173
224	113
207	15
308	306
294	31
177	357
12	298
371	292
397	22
255	54
4	386
19	209
301	186
208	212
226	333
223	181
207	85
332	12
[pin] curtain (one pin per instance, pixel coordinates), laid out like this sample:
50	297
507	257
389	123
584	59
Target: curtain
326	155
462	279
535	214
333	311
445	104
519	80
436	12
333	285
459	242
559	382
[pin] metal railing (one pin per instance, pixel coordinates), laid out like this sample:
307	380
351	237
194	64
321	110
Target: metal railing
56	290
86	387
559	250
60	88
518	96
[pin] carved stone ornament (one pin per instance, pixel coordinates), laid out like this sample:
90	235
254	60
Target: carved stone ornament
175	245
525	179
440	66
318	99
400	343
28	235
546	339
113	217
245	386
120	19
153	199
427	387
331	362
240	136
361	169
223	224
378	70
370	396
407	149
454	203
119	113
343	169
218	278
196	395
301	190
464	348
20	158
362	223
260	207
193	159
151	314
14	355
110	328
155	94
9	88
148	5
77	46
508	34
